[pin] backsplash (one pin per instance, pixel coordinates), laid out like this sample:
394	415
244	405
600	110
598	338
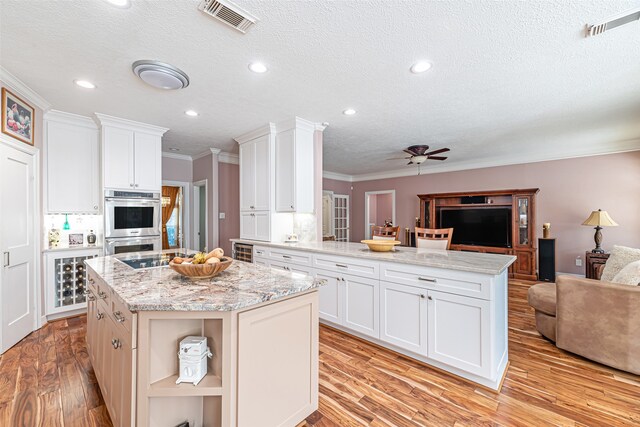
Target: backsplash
78	224
304	225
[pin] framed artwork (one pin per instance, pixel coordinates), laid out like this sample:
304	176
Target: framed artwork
17	117
76	239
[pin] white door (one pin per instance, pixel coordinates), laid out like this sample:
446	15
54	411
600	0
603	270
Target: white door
248	225
263	231
459	332
118	158
262	167
148	162
17	244
361	305
285	171
341	217
247	176
403	317
329	297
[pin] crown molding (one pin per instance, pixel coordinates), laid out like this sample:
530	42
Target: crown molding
106	120
337	176
261	131
176	156
215	151
17	85
201	155
70	118
230	158
295	123
320	127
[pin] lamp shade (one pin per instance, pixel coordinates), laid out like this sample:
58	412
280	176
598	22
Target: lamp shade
600	218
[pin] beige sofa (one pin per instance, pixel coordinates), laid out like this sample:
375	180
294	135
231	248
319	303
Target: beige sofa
597	320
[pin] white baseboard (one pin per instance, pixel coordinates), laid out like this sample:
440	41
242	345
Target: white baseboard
560	273
70	313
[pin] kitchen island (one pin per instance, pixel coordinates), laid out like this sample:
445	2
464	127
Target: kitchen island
447	309
261	325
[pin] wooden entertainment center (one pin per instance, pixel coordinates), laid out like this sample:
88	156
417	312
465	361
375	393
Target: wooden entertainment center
523	218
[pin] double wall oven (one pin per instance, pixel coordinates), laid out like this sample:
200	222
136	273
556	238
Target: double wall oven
132	222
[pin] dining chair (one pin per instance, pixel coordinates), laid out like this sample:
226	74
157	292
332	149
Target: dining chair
433	238
384	233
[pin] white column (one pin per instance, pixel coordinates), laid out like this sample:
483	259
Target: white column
214	192
317	180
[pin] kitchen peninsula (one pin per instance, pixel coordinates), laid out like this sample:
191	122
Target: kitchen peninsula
444	308
261	325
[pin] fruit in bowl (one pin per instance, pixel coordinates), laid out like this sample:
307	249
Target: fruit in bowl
201	265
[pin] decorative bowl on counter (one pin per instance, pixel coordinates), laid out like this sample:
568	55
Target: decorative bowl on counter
201	271
381	245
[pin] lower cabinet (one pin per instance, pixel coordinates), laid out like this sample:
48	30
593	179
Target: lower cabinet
459	332
403	316
330	307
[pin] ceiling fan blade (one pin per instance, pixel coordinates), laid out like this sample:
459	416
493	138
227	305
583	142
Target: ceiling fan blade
411	153
410	163
436	158
399	158
442	150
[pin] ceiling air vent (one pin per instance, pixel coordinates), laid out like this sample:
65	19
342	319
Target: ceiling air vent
613	22
228	13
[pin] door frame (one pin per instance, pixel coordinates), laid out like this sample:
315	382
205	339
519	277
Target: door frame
196	212
37	291
332	213
367	229
186	209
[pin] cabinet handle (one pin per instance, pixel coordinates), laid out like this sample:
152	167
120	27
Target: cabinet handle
430	298
251	207
119	317
91	280
426	279
95	207
86	292
116	343
131	185
342	265
422	296
292	207
102	295
99	315
286	257
91	298
136	185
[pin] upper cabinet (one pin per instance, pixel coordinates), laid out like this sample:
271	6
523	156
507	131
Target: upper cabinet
72	164
132	154
255	159
294	167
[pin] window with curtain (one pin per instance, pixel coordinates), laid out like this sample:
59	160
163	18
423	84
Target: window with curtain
171	217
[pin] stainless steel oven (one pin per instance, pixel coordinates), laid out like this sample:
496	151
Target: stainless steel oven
131	214
126	245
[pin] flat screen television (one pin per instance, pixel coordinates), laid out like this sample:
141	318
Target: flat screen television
478	226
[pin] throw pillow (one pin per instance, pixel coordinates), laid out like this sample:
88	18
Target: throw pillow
621	256
630	275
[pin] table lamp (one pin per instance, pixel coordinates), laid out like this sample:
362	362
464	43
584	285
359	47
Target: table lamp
600	219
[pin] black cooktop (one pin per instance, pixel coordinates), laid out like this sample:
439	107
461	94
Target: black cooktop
153	260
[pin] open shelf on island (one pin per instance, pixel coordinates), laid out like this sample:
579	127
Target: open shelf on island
210	385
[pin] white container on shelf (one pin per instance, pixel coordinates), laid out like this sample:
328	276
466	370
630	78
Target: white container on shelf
193	357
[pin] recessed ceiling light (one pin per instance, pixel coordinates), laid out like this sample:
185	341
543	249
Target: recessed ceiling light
258	67
123	4
349	112
174	149
85	84
191	113
161	75
420	67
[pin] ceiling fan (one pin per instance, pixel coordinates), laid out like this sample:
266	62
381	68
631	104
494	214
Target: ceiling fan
419	154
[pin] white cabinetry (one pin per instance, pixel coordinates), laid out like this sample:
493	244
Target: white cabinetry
255	158
330	298
403	316
132	154
254	225
72	164
294	168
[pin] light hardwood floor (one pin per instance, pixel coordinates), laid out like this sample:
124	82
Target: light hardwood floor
47	380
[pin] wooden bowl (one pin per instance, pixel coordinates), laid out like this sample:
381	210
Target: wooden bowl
381	245
201	271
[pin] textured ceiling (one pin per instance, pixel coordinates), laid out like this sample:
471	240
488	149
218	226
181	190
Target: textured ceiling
510	80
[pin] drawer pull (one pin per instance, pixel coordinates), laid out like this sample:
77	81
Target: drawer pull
119	317
91	298
422	296
426	279
99	315
86	292
259	253
91	280
116	343
342	265
430	298
102	295
286	257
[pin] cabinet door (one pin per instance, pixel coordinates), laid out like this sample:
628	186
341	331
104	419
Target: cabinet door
263	229
285	171
148	162
121	381
91	328
73	167
262	178
118	158
459	332
248	225
403	317
330	307
361	305
247	176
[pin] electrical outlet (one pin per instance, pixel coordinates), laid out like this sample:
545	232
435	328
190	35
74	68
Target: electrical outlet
221	215
578	261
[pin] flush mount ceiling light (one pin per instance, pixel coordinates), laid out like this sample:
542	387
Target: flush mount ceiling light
420	67
122	4
161	75
349	112
85	84
191	113
174	149
258	67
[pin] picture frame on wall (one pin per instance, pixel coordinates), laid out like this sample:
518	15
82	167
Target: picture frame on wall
17	117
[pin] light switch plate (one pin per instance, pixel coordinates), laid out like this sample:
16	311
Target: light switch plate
221	215
578	262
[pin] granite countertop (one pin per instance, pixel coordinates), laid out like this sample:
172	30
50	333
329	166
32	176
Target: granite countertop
451	260
241	286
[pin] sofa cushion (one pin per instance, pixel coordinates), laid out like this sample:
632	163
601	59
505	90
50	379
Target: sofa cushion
629	275
621	256
542	297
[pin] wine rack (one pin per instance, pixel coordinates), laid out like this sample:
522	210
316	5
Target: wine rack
67	279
